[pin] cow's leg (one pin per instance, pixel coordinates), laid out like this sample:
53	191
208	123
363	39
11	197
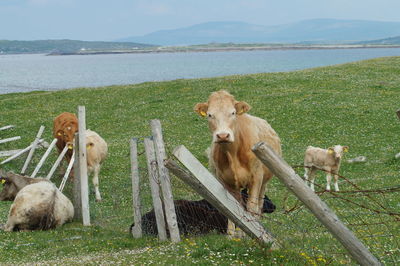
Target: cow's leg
95	180
261	197
312	178
307	174
336	176
328	181
231	228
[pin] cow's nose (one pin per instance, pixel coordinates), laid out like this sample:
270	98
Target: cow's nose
223	136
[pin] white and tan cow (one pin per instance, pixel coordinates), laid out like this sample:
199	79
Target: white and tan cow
324	159
234	132
96	149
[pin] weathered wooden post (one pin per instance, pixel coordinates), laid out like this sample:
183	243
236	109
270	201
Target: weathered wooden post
204	183
165	180
32	150
311	200
81	187
398	113
77	199
155	189
137	215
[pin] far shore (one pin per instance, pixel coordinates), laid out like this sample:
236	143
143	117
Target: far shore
187	49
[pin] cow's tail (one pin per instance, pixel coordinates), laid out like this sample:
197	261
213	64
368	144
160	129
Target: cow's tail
48	221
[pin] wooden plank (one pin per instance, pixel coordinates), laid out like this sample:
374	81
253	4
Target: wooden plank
32	150
203	182
83	165
6	127
398	113
9	153
137	215
57	162
311	200
67	172
77	184
155	189
169	206
9	139
44	157
20	153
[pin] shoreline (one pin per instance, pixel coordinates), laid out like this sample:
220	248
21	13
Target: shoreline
225	49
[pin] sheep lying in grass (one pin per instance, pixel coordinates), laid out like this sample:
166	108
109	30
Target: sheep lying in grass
325	159
37	205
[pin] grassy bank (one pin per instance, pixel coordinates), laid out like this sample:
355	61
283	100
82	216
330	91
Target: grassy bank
352	104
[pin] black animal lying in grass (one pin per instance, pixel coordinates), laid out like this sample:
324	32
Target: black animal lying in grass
197	217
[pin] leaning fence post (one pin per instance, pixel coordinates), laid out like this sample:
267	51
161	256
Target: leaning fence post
19	153
398	113
9	139
165	181
204	183
137	216
30	154
311	200
57	162
83	165
155	189
44	157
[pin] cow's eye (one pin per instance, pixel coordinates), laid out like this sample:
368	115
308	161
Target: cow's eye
209	115
233	113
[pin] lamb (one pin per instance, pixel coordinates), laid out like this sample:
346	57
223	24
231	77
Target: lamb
37	205
324	159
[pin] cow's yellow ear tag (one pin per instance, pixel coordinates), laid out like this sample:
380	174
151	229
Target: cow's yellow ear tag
330	151
346	149
203	114
88	146
59	134
3	181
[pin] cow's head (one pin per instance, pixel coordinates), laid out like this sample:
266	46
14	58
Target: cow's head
338	150
222	110
67	135
12	184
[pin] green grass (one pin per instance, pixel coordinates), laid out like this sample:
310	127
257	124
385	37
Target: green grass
352	104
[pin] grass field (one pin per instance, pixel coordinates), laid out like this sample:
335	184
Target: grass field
352	104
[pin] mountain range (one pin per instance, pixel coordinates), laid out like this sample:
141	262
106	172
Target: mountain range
308	31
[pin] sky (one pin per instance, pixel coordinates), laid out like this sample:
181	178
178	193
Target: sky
107	20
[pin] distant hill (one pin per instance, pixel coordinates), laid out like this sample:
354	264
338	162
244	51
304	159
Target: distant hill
387	41
56	46
311	31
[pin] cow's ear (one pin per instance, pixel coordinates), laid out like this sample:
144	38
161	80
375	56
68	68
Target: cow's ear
331	150
345	148
201	109
242	107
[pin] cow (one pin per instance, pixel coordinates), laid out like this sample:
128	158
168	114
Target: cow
96	150
324	159
37	206
234	132
197	217
12	183
65	126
